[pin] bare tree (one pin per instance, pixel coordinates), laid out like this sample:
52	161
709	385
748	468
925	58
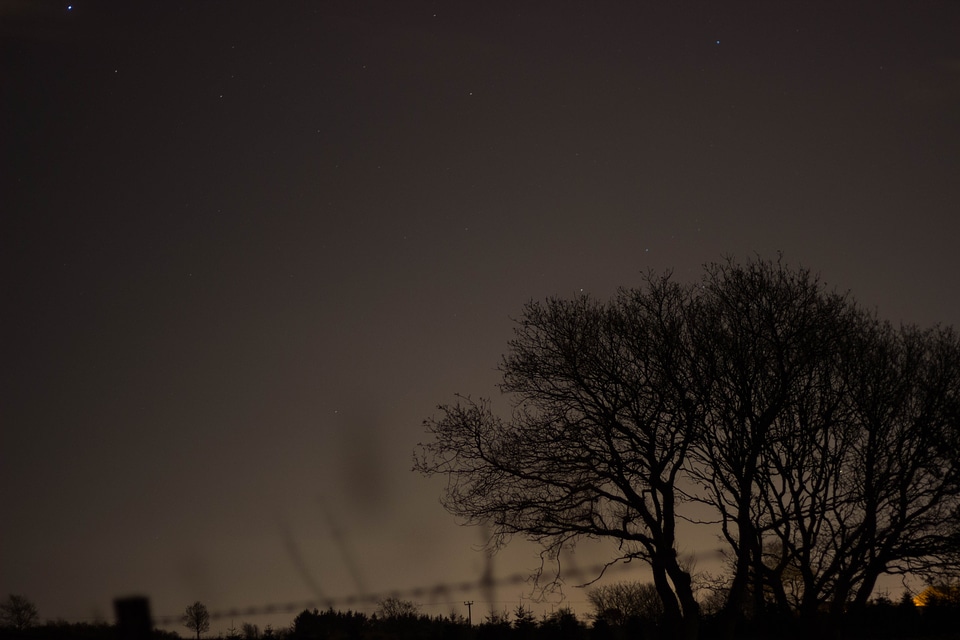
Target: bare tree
196	618
393	608
830	440
18	613
824	440
621	601
598	437
763	340
897	502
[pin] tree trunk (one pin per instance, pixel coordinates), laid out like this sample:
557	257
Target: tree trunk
863	592
690	626
671	608
733	612
681	610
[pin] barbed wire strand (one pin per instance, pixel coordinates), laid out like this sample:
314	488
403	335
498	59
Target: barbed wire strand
433	594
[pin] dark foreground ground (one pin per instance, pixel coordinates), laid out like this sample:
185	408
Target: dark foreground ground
882	621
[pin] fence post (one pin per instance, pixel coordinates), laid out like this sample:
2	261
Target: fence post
133	618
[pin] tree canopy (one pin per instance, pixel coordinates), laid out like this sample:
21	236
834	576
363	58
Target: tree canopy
18	613
824	439
196	618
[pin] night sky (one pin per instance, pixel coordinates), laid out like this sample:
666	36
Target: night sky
247	247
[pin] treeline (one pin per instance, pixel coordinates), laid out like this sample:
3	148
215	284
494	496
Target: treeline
881	619
63	630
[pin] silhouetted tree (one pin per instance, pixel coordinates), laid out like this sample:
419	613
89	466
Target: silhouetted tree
18	613
859	473
598	438
392	608
562	624
902	478
618	602
196	618
523	619
763	339
495	626
330	624
824	440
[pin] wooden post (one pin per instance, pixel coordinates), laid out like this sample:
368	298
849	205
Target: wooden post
133	618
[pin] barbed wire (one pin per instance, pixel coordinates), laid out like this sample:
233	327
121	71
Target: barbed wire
436	594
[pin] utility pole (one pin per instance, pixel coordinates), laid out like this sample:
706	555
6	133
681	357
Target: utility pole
469	604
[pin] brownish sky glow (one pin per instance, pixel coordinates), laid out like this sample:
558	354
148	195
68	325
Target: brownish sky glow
248	246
